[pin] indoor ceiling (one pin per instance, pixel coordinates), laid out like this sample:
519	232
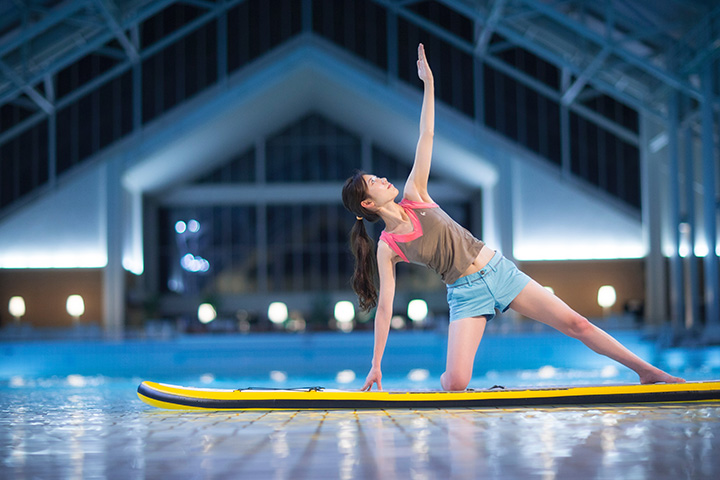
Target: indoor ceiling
635	50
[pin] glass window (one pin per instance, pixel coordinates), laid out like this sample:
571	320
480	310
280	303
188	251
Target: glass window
312	150
208	249
241	169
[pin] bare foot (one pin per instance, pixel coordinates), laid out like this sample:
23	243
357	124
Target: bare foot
660	377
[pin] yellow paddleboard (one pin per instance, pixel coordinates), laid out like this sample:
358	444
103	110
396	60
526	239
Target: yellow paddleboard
317	398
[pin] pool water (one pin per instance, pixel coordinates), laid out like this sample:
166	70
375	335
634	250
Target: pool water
90	425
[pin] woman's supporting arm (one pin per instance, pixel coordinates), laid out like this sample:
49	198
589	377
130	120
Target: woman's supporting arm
383	314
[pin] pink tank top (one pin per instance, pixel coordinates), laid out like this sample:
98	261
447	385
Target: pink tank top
437	241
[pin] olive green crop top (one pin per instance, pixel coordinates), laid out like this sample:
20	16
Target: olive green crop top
437	241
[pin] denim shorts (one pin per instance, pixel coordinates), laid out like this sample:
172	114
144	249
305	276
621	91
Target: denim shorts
494	286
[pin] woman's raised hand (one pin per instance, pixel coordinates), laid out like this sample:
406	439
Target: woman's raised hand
423	66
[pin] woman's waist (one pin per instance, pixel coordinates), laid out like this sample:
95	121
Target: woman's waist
483	258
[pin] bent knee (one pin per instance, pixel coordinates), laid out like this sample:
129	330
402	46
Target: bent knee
578	326
454	382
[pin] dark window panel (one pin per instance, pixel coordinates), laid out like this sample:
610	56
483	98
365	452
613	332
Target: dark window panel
167	21
360	26
452	69
446	18
257	26
81	72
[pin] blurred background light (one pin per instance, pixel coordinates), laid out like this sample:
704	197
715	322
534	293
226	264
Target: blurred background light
193	226
397	322
206	313
278	376
418	375
345	376
417	310
16	307
38	258
180	227
194	264
344	311
607	296
546	372
75	306
609	371
549	289
277	312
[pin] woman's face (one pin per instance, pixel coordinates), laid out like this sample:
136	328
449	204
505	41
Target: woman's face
379	191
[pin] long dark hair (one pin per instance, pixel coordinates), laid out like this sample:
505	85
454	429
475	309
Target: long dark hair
362	246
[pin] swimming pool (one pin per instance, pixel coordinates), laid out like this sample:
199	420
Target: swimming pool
69	410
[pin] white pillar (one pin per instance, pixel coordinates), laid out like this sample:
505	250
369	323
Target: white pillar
652	206
113	274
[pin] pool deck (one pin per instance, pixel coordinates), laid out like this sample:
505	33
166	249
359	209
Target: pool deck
574	443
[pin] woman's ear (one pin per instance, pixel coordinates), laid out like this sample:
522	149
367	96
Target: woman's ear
367	203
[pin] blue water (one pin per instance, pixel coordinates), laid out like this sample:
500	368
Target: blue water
69	410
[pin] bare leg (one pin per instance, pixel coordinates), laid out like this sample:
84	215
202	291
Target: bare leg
464	337
537	303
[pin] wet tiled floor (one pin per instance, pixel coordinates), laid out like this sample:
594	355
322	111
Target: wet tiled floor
108	433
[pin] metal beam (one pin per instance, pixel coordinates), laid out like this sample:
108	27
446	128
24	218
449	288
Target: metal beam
519	39
486	34
91	45
512	71
105	6
622	132
574	90
56	16
711	51
666	77
36	97
115	71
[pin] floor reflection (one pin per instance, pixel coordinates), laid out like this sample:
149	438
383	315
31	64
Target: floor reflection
76	439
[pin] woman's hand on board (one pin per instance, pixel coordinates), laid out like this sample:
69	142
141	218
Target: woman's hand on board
375	376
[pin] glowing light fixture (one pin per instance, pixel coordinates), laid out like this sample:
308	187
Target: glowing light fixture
397	322
417	310
418	375
606	296
206	313
180	227
16	307
55	259
75	306
193	226
194	264
548	371
277	312
345	376
344	311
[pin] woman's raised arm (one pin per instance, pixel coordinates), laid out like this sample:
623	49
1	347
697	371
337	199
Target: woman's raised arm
416	185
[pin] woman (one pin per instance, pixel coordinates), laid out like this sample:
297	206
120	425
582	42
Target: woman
478	279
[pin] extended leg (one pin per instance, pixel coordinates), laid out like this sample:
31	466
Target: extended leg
537	303
464	337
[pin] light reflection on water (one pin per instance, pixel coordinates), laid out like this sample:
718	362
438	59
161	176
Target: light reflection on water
95	427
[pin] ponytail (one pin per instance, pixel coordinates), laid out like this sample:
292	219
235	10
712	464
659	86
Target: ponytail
365	274
364	278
